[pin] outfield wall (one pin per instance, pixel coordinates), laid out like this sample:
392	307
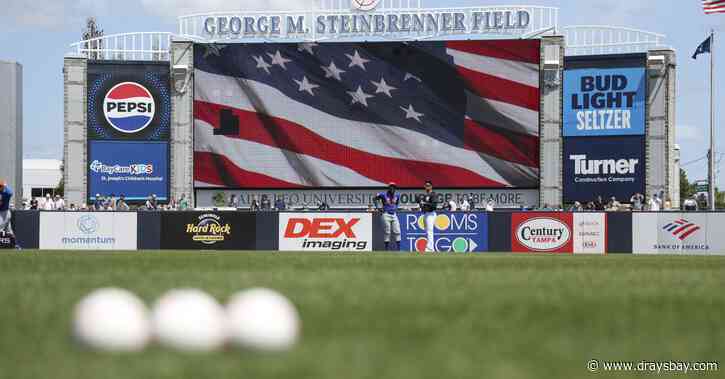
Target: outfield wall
458	232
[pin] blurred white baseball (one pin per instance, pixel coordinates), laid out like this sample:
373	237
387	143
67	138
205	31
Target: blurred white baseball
262	319
189	320
112	319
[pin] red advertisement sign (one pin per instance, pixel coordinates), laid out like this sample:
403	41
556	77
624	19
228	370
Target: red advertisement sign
535	232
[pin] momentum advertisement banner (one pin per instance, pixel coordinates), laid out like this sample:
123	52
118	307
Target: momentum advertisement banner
604	166
604	102
128	101
88	231
455	232
133	169
325	232
533	232
678	233
208	231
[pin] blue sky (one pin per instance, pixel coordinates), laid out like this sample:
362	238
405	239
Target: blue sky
38	34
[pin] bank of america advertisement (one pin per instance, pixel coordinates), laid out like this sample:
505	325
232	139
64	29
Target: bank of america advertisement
603	166
129	101
88	231
604	102
678	233
135	170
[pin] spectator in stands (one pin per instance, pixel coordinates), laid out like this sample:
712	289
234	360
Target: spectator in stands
324	206
266	204
152	204
279	204
34	204
490	205
668	204
183	203
58	203
465	205
577	207
112	202
98	202
655	204
613	205
254	206
690	204
233	202
637	201
121	204
72	207
451	206
599	204
48	204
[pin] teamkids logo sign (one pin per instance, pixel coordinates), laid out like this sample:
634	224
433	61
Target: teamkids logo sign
325	232
605	166
209	229
129	107
454	232
541	232
128	101
604	102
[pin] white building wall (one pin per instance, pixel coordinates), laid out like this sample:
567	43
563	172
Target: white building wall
11	126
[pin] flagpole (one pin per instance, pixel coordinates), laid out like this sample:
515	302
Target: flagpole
711	165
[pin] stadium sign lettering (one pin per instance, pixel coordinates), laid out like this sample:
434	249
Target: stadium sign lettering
583	166
320	228
510	20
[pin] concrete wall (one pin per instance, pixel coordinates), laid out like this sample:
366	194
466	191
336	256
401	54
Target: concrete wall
74	124
182	134
552	69
662	168
11	127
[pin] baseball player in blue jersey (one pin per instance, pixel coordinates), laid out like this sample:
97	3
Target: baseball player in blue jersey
6	194
429	205
390	201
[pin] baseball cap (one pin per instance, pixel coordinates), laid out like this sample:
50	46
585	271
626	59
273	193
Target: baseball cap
392	184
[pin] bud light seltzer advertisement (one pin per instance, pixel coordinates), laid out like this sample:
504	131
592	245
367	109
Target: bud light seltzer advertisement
135	170
604	101
605	166
128	101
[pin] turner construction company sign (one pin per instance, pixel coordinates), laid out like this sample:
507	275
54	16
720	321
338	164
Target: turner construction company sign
364	18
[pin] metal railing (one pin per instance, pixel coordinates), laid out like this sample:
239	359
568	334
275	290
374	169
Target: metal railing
599	39
141	46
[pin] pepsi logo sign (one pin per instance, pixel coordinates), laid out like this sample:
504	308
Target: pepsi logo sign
543	234
129	107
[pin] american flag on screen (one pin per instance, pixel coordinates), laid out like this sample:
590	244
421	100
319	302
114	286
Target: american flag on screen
463	114
713	6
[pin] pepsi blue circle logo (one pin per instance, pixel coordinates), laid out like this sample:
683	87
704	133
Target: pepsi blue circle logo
129	107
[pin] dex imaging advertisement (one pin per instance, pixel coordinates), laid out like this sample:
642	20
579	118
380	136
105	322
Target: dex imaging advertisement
128	101
606	166
604	102
454	232
133	169
325	232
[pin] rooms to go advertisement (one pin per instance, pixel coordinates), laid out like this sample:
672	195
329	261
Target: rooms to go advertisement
454	232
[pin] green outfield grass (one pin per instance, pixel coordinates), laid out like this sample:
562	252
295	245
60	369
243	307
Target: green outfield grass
383	316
